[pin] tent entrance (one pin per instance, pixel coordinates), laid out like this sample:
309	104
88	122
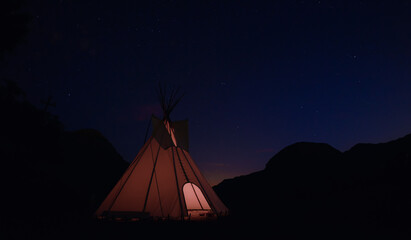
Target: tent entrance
196	203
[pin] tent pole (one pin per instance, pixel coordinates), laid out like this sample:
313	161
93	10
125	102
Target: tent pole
181	164
152	174
195	193
178	188
136	160
158	189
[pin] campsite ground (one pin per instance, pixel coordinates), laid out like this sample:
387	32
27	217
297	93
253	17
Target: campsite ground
225	228
230	228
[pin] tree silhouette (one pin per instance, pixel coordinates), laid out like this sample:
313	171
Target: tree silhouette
13	25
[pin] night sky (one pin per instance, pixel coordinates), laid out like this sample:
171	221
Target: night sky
257	76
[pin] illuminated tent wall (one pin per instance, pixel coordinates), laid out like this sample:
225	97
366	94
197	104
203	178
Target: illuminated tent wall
163	182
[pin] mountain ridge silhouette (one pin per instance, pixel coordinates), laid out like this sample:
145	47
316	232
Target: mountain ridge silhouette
366	186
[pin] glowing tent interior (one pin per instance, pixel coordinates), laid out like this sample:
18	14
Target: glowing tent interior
163	182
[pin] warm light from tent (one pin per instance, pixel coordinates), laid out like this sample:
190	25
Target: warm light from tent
194	198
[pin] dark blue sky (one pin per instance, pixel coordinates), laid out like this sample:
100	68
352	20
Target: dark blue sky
257	76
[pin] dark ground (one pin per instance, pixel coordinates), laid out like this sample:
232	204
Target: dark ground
228	228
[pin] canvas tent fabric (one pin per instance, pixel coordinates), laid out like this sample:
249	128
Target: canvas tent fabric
163	181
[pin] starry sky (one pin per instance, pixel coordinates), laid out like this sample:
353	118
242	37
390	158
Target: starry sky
257	75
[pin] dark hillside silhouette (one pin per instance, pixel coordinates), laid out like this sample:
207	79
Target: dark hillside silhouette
13	25
313	185
50	178
94	162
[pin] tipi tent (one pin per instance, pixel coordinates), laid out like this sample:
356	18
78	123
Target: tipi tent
163	182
